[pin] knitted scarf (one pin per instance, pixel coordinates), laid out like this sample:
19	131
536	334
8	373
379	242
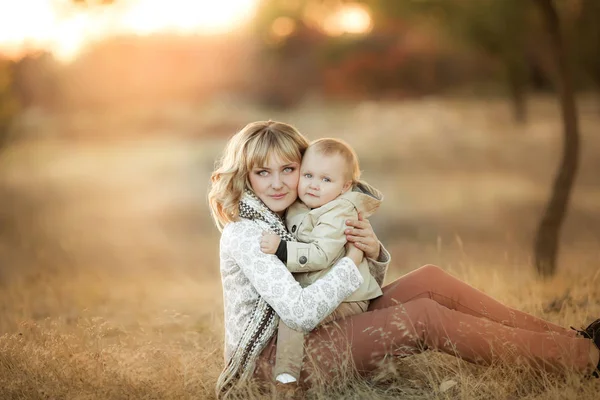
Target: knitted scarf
251	207
264	321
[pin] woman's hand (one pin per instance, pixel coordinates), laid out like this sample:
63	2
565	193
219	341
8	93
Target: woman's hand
361	234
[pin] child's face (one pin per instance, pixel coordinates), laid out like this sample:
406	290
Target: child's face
322	178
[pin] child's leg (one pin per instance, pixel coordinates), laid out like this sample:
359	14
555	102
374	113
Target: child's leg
290	351
434	283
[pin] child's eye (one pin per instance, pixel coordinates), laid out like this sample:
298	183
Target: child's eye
326	180
308	176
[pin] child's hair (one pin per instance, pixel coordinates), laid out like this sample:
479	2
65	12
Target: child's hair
250	147
329	146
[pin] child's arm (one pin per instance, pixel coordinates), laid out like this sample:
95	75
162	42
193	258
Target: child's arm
328	241
271	243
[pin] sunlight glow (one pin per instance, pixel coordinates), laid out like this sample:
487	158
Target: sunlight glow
283	26
65	28
351	18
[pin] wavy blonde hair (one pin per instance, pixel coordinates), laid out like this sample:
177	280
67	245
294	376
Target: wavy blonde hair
250	147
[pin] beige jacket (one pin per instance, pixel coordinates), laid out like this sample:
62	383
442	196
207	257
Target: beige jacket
321	238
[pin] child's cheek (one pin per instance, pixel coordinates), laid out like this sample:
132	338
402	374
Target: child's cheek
297	178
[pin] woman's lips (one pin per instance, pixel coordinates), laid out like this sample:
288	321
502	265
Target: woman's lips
278	196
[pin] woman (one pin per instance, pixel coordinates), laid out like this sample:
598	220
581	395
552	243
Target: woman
254	184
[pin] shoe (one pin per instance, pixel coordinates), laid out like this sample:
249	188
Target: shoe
285	378
592	332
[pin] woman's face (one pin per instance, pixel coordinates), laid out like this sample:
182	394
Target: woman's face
276	183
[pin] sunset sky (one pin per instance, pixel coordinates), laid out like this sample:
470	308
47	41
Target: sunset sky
65	28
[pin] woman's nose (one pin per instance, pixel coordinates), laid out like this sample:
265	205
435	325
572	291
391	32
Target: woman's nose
277	183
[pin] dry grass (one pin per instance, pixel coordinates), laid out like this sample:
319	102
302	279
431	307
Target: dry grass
94	336
109	284
107	339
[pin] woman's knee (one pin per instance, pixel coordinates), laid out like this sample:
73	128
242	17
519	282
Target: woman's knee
432	269
429	271
418	312
420	307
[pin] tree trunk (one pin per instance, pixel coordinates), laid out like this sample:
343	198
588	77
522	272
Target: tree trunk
547	238
517	85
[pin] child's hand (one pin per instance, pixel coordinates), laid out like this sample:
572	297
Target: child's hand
269	243
353	253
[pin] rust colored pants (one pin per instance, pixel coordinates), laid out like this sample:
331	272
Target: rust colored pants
430	309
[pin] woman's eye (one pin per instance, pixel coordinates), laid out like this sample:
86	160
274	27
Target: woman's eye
288	169
262	173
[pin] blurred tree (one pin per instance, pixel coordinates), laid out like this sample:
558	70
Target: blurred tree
35	81
8	103
418	47
586	40
548	232
498	28
298	54
286	65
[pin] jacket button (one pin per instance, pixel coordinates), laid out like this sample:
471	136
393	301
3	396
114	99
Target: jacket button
293	228
303	260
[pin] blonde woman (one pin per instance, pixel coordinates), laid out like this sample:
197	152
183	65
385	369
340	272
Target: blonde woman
255	182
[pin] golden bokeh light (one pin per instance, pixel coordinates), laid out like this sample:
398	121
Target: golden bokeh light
65	28
283	27
349	18
336	18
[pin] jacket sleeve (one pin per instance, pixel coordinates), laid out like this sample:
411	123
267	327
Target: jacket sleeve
300	308
327	241
378	268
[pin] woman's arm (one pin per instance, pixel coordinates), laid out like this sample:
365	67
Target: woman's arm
300	308
378	267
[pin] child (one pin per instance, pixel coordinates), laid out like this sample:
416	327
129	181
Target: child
329	193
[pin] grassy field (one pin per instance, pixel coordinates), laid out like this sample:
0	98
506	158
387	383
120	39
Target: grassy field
109	280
